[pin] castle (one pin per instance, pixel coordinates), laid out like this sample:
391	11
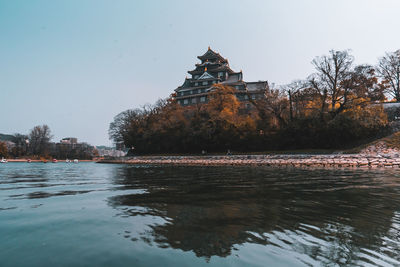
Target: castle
214	69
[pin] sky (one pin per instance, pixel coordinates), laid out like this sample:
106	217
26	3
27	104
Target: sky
75	64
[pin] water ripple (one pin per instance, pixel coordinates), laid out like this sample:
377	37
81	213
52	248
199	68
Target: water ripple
236	215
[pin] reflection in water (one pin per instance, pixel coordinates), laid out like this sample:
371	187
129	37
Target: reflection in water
328	216
86	214
40	194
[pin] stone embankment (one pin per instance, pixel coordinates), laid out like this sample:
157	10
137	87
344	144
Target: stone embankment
376	156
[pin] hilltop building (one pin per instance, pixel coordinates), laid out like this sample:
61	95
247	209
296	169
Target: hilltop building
214	69
69	140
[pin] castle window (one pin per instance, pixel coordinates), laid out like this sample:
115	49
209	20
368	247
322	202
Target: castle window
253	97
186	101
203	99
205	83
194	100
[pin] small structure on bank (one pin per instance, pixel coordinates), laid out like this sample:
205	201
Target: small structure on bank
69	140
214	69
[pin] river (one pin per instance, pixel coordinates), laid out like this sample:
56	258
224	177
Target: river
90	214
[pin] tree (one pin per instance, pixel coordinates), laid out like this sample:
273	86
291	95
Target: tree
389	70
362	84
332	70
39	139
223	100
273	109
292	90
21	145
119	128
3	150
338	86
221	121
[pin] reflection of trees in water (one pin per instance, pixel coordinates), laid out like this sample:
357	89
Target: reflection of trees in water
328	214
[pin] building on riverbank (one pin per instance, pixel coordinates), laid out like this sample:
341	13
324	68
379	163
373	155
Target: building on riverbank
69	147
215	69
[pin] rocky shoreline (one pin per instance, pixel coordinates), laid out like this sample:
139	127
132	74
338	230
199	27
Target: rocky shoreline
376	156
351	160
373	156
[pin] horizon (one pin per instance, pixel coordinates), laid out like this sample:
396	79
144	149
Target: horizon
74	66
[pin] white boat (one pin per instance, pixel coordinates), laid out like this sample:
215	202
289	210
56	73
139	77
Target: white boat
3	160
67	161
76	161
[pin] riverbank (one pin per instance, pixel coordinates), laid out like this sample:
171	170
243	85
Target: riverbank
382	153
351	160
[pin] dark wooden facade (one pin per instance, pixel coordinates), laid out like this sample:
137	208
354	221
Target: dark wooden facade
214	69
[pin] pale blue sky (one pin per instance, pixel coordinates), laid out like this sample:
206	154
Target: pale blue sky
75	64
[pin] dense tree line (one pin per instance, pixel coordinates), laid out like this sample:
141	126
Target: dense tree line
335	107
37	144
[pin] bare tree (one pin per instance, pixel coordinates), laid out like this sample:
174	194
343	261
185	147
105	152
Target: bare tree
293	90
332	70
39	139
335	87
389	71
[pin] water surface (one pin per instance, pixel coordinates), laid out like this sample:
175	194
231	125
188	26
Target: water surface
91	214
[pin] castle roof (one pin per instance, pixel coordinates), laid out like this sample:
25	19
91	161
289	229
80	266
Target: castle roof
207	73
211	54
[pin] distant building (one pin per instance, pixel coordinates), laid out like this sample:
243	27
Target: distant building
70	148
214	69
69	140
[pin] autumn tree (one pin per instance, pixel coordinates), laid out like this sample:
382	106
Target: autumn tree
3	150
222	100
338	86
362	87
389	70
273	108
